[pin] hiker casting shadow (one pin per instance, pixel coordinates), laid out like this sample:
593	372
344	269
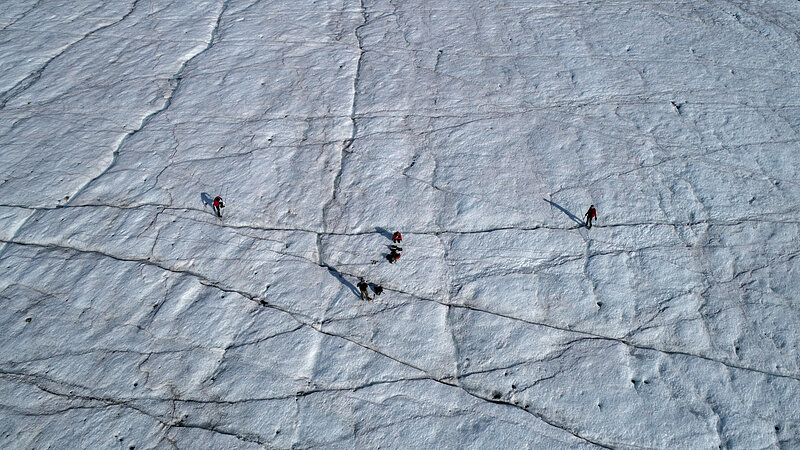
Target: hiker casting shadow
590	214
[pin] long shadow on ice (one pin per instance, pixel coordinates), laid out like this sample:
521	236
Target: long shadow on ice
383	232
341	279
206	199
569	214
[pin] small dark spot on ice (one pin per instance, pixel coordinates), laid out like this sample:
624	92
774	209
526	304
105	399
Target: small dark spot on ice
28	320
513	386
155	306
135	384
496	395
777	428
599	304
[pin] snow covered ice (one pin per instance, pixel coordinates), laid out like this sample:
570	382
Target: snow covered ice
133	317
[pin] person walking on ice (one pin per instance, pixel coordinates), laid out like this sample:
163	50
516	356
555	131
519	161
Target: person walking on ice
218	205
362	286
590	214
397	237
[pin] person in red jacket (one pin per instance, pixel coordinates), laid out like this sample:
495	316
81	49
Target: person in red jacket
393	256
218	205
590	214
397	237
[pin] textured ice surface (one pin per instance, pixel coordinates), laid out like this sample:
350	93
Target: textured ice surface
132	316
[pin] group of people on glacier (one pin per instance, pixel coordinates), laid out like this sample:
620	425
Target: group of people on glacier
394	249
